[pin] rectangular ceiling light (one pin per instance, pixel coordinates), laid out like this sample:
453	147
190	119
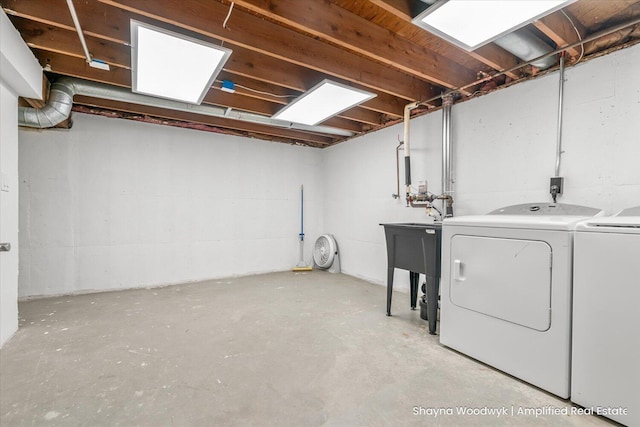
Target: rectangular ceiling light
324	100
470	24
171	65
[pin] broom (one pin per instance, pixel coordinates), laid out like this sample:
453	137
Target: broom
301	266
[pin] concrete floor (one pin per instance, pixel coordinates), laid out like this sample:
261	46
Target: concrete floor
283	349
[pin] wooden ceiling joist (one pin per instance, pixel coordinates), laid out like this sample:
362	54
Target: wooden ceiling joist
257	34
55	35
335	25
282	48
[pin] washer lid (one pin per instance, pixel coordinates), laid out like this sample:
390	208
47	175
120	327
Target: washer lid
626	221
545	209
629	212
540	216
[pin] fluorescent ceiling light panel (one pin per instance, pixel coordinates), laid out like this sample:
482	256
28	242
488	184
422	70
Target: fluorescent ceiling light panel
170	65
470	24
324	100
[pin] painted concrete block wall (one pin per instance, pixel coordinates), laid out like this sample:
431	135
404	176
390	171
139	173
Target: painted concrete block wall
8	212
504	153
20	75
117	204
361	178
505	142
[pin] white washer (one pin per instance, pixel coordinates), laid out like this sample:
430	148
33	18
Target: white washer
506	290
606	318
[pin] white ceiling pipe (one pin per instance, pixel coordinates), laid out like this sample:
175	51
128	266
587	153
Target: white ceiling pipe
559	130
407	147
447	104
76	22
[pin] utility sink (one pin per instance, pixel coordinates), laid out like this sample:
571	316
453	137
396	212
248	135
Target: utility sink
415	247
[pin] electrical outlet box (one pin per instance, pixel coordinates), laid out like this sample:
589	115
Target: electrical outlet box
556	185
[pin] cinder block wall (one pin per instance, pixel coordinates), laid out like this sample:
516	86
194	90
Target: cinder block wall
116	204
504	154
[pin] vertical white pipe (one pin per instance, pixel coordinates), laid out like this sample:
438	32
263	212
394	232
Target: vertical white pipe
407	117
407	147
445	147
560	102
447	102
74	16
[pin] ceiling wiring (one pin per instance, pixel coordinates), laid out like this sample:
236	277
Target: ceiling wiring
578	33
261	91
266	93
224	24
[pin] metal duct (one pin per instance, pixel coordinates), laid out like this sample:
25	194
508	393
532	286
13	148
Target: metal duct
55	111
527	46
58	108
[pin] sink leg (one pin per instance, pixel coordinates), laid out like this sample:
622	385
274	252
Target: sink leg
433	289
389	289
414	278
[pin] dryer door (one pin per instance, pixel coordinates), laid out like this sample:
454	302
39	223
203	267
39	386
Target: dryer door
509	279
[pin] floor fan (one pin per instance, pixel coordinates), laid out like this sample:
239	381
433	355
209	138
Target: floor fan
325	254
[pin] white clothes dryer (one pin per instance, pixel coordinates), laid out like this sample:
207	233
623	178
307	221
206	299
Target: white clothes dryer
506	290
606	292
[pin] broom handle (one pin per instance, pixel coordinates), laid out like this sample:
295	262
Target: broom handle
302	213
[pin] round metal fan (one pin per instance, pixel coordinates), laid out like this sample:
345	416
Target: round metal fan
325	254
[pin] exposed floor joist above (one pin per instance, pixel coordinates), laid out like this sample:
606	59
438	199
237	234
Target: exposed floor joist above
281	48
